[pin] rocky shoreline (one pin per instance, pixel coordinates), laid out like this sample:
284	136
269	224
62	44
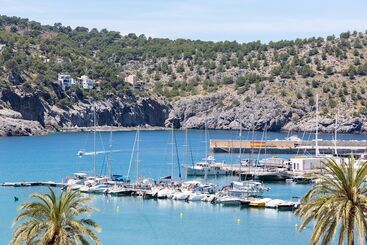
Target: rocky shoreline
27	114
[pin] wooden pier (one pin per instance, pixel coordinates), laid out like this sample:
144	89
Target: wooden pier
343	147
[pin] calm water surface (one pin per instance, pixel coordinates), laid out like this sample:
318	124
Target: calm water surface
126	220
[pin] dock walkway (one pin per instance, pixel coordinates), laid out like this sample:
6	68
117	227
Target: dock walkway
27	183
289	146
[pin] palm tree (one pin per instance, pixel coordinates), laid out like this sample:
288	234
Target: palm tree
338	203
52	220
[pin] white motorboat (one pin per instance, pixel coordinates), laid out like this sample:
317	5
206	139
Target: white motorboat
79	178
209	198
247	188
98	189
197	196
273	203
181	195
165	193
81	152
207	167
229	201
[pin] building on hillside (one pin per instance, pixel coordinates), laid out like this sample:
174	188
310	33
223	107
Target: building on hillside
75	82
86	82
133	80
65	80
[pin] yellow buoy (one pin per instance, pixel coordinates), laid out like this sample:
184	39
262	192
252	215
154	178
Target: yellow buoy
181	215
238	221
296	225
117	209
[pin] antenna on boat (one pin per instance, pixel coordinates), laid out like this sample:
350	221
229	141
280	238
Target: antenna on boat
317	127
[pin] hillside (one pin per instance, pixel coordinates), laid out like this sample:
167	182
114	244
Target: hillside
265	86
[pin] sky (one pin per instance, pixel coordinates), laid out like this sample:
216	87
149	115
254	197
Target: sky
240	20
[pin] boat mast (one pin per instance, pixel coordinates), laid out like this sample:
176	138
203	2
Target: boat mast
240	153
177	156
94	141
137	153
335	133
186	155
317	127
110	156
132	154
172	150
206	140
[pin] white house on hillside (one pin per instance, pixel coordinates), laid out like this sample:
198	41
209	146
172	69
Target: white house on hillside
86	82
65	80
133	80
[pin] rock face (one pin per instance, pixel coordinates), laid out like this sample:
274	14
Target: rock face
28	114
257	113
11	123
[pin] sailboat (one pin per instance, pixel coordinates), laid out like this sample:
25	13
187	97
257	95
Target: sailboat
174	160
91	183
207	166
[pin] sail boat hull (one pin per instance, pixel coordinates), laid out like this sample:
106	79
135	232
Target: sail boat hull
208	171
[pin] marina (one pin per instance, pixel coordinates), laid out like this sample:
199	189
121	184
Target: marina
137	208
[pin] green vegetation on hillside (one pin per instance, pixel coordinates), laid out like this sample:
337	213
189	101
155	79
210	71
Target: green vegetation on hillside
32	55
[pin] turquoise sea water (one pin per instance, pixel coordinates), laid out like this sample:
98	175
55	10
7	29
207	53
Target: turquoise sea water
128	220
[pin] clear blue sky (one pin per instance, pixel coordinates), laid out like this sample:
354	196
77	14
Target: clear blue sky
245	20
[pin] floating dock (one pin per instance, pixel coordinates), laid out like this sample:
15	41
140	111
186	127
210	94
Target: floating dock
342	147
28	184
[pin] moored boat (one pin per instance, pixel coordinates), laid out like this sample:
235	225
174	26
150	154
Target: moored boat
259	202
286	206
229	201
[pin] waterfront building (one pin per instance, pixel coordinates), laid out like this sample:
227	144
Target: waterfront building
306	163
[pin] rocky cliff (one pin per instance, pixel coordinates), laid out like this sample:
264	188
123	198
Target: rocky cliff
227	110
28	114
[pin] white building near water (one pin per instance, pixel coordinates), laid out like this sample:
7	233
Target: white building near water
65	80
306	163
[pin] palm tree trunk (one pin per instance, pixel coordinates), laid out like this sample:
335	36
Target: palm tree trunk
351	230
